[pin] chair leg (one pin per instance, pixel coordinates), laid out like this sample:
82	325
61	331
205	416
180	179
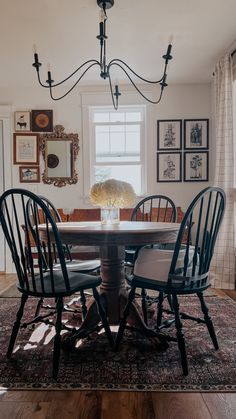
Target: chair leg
39	304
57	338
160	308
208	320
170	302
16	325
124	319
103	317
180	336
144	305
83	304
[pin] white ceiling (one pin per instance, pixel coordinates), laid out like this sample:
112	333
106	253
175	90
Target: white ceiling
138	31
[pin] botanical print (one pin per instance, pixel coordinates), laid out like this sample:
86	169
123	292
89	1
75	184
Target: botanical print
169	171
196	166
196	133
169	167
169	134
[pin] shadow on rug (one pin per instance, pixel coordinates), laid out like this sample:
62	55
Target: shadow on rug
138	366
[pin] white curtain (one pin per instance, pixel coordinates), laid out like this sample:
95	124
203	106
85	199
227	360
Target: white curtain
223	264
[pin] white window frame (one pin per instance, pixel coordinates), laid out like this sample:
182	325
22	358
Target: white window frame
89	144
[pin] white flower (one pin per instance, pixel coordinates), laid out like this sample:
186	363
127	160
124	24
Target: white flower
112	193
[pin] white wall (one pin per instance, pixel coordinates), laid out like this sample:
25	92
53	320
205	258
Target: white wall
179	101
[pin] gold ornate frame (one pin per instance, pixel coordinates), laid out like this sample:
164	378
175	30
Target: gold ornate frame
59	134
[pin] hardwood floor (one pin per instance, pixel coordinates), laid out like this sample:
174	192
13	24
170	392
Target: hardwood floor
114	405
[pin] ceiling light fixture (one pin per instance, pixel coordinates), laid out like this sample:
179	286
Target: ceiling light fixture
105	69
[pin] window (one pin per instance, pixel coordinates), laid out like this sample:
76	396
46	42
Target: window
117	145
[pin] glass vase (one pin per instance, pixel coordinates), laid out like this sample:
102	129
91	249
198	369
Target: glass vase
110	215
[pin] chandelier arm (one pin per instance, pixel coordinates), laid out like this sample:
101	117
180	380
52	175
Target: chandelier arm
75	84
39	80
68	77
112	95
117	60
136	87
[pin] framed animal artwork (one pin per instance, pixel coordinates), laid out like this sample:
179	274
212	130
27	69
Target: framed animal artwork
22	121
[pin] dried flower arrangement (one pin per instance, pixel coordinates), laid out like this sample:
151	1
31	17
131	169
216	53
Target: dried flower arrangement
112	194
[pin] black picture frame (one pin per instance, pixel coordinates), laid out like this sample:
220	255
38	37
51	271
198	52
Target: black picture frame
42	120
169	134
196	134
169	167
196	166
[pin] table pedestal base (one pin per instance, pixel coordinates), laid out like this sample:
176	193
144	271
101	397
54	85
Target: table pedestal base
114	298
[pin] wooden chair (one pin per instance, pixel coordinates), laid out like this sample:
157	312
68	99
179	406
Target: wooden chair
72	264
45	281
152	208
187	271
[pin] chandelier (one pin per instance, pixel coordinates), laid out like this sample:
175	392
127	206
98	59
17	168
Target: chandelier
104	67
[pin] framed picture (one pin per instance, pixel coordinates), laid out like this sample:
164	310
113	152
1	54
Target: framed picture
42	121
169	134
196	166
22	121
169	167
29	174
196	134
25	149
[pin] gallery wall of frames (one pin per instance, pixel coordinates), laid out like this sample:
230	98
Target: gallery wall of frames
183	150
27	126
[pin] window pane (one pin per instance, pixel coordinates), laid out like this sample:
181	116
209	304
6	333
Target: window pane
131	174
117	128
133	128
102	128
133	116
133	142
118	142
102	143
101	117
117	117
117	159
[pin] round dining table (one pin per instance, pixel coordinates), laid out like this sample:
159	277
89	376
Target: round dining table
112	239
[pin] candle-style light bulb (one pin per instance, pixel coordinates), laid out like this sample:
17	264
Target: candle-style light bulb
101	15
36	63
171	39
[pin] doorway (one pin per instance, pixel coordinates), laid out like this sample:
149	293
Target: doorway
2	241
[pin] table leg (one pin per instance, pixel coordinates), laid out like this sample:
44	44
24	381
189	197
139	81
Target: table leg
113	296
113	280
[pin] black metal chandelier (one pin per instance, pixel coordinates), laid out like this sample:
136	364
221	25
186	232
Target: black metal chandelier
105	69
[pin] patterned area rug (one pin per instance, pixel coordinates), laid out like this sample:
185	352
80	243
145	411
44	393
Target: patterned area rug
137	366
